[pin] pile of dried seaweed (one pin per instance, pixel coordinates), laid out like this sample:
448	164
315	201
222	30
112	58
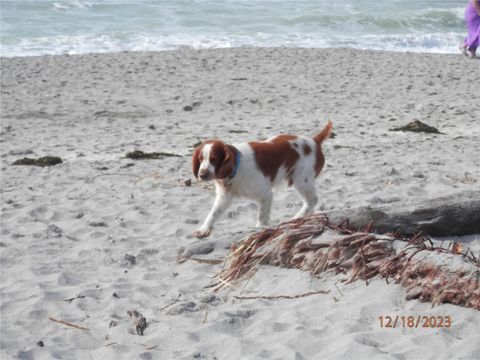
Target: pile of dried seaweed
314	244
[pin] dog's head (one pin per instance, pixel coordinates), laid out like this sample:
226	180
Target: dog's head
213	160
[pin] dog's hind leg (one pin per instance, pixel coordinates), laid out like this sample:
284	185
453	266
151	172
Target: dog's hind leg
307	191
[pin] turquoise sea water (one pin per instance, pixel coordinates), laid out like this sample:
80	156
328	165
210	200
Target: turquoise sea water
35	27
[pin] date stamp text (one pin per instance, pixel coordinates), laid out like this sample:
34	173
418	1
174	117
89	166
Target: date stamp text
418	321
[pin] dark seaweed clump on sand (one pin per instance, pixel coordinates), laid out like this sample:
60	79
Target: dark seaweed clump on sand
418	126
43	161
140	155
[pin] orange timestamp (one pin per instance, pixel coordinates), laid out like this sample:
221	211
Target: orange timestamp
418	321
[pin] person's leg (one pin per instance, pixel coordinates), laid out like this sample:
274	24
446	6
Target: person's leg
471	50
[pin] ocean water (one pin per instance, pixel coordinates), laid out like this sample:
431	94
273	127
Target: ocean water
36	27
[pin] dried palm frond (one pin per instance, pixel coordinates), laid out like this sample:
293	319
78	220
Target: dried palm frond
315	245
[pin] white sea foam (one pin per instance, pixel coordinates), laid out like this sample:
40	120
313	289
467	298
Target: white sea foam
71	5
82	44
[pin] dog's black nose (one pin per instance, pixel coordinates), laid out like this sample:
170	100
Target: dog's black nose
204	176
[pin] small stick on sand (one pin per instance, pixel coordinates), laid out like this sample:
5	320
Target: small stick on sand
7	190
282	296
112	174
148	347
167	306
155	175
80	296
182	259
152	347
68	324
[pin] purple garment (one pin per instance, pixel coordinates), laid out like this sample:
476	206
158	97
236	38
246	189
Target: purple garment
472	19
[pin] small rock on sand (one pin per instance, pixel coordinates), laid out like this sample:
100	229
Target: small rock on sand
198	248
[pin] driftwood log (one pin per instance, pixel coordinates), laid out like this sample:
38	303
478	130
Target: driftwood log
454	215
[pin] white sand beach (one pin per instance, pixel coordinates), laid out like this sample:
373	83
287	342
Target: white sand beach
108	229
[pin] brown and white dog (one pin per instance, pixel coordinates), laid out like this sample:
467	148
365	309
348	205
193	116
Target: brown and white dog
252	169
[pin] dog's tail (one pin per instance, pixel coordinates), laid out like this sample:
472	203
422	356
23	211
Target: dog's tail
324	134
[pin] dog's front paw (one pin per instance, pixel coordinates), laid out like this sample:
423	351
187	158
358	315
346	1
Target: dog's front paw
202	233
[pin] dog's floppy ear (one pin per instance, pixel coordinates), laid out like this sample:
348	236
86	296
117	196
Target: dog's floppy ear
226	168
196	160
